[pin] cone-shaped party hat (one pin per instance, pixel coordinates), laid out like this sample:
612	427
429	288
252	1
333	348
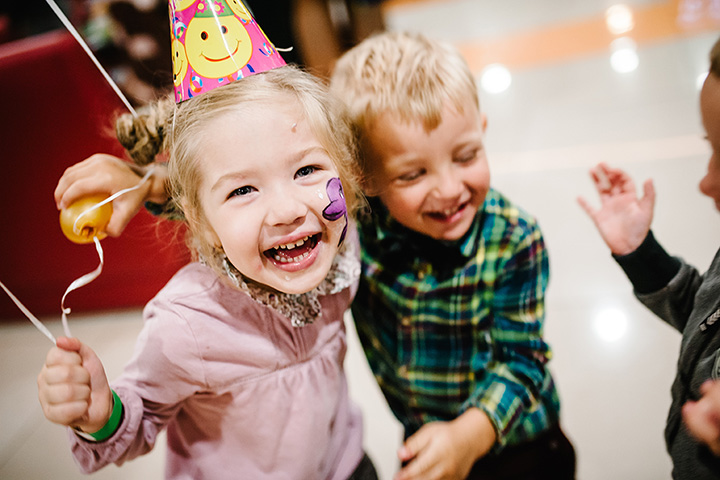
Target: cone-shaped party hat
215	42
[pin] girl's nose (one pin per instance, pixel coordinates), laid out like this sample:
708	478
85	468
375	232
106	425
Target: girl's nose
286	209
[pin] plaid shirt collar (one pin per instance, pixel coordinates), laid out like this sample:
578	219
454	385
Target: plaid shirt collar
395	241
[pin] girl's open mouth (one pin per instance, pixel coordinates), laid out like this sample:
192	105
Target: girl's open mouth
293	252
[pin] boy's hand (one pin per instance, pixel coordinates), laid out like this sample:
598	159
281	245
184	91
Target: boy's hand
105	174
72	387
447	450
703	417
623	220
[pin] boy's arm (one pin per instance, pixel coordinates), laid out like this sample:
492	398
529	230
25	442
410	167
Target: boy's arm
516	378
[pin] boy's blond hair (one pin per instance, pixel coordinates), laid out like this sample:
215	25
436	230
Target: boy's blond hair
403	74
179	130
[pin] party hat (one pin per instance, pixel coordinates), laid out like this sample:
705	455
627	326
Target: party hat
215	42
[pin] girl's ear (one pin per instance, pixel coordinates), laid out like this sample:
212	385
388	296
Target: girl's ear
198	226
483	122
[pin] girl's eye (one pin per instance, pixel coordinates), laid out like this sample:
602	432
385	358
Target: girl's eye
305	171
239	192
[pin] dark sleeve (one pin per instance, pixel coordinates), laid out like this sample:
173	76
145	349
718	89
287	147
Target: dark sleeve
649	267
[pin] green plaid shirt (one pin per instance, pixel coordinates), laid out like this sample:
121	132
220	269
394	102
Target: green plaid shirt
451	325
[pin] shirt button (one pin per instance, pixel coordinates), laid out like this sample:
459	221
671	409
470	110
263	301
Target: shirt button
403	370
421	275
406	321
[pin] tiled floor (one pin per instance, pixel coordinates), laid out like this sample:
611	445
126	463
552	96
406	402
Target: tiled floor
565	110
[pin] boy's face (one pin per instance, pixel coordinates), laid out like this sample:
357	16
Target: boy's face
710	108
267	184
431	182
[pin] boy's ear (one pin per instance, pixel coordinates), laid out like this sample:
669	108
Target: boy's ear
369	186
483	122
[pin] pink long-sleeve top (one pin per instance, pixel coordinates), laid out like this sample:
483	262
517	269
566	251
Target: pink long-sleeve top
242	393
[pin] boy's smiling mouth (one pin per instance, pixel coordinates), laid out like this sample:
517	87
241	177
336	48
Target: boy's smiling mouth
447	214
293	252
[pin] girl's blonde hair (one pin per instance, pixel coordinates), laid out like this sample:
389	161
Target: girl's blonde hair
178	130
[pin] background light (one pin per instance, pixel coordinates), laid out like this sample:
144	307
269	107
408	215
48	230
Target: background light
619	19
611	324
495	78
624	57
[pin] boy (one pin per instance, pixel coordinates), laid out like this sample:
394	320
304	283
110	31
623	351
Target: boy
450	308
677	293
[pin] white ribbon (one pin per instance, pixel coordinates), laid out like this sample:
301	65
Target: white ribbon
82	281
85	47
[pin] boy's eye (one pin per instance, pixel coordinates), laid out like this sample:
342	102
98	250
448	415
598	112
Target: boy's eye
410	176
467	157
305	171
239	192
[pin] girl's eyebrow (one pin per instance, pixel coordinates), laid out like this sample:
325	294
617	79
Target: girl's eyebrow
227	177
239	175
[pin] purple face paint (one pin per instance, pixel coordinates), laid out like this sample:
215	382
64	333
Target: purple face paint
337	207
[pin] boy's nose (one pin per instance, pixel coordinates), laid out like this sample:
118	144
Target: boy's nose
449	185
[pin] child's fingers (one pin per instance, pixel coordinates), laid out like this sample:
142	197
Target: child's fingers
65	413
66	393
57	356
589	209
71	374
699	423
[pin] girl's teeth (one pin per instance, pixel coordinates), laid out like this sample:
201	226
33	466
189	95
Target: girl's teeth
280	259
289	246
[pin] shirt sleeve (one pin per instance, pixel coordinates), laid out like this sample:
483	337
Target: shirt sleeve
516	378
664	284
165	370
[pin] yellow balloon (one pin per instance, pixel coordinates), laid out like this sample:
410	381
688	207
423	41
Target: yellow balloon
90	225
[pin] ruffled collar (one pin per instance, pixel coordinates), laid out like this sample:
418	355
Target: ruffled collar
304	308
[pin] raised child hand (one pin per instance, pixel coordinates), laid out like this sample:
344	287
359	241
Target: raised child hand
446	450
105	174
72	387
703	417
623	220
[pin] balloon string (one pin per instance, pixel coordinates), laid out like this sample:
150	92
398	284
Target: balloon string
80	282
112	197
85	47
29	315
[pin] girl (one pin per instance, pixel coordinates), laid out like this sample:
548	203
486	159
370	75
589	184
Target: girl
241	354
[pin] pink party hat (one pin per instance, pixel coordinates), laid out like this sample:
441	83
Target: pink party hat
215	42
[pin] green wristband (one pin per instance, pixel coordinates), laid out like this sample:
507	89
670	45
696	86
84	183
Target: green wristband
113	422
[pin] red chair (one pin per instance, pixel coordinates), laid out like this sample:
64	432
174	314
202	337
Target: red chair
56	110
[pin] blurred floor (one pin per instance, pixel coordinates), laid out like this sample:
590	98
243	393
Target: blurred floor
570	104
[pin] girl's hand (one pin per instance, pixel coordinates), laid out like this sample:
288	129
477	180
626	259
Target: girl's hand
72	387
106	175
623	220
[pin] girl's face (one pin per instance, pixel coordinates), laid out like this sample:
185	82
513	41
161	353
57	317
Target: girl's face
266	190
